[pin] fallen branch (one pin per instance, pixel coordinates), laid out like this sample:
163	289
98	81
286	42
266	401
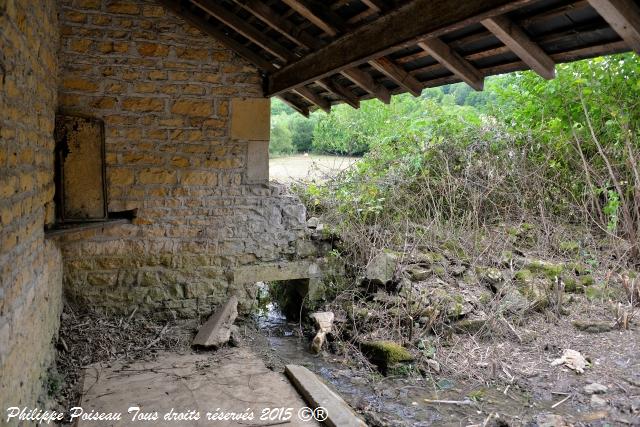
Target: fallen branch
450	402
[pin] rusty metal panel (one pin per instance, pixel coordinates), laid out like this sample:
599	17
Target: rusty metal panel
80	169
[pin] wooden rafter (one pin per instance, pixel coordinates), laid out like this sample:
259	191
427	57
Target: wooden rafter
393	31
454	62
280	24
242	27
299	108
316	14
313	98
365	81
624	18
361	78
342	92
397	74
205	26
514	37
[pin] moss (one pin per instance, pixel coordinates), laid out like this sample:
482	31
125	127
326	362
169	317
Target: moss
592	326
524	275
569	247
571	285
586	281
547	269
385	353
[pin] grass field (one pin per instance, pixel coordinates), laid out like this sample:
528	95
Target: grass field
312	166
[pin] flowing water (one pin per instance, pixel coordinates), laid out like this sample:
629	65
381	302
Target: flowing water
384	401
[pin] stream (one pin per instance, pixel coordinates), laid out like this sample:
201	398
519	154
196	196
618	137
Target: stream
383	401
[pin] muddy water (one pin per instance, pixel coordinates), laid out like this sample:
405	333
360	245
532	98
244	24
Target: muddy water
392	401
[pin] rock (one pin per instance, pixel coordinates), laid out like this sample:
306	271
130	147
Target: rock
385	353
217	330
433	365
323	320
491	277
571	359
593	327
417	273
550	420
597	401
313	222
324	323
469	326
382	267
457	270
595	388
235	340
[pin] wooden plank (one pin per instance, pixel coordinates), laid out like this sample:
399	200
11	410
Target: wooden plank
280	24
395	30
454	62
317	395
398	75
217	329
205	26
624	17
302	109
365	81
509	33
248	31
313	98
340	91
314	13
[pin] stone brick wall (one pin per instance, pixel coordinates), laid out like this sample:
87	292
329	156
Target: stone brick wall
167	93
30	266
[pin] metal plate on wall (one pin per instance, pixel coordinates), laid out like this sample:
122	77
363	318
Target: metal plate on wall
80	169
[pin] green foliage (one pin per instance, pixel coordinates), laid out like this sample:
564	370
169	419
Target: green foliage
281	140
526	146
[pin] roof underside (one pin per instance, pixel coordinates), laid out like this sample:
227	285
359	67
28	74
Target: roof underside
317	53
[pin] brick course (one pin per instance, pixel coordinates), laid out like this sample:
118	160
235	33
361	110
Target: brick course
164	91
30	267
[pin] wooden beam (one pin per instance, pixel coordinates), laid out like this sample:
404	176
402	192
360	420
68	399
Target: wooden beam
514	37
624	17
398	75
454	62
280	24
314	13
305	39
365	81
313	98
340	91
248	31
299	108
206	27
403	27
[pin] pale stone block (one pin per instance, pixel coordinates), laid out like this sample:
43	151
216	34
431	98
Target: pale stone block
250	118
258	162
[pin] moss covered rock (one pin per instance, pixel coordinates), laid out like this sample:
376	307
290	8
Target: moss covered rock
385	353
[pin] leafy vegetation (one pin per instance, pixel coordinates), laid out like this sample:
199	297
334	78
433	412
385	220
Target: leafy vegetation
525	149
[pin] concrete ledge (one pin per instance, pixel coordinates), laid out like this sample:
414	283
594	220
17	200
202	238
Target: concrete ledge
317	394
278	271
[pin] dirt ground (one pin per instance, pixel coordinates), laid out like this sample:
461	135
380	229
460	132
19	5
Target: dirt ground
482	379
308	167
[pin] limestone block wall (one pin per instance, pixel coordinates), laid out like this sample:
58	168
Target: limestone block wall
30	266
169	97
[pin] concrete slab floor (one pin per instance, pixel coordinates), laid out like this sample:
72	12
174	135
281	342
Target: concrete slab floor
172	388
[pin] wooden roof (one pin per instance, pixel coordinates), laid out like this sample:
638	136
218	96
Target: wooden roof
315	53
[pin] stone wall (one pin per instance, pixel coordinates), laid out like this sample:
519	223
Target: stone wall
174	104
30	266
